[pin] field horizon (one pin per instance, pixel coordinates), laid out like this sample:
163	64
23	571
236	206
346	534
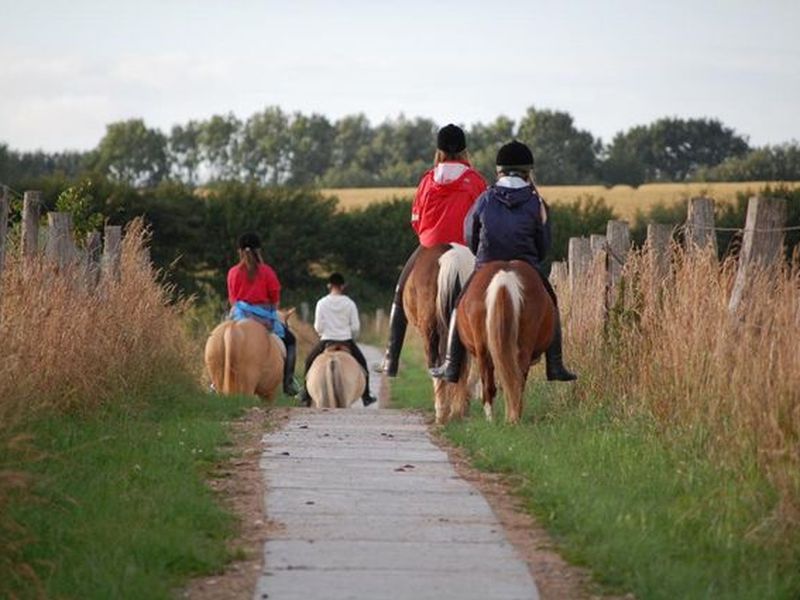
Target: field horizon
623	199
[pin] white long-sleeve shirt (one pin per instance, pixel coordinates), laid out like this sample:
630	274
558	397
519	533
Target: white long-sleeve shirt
336	318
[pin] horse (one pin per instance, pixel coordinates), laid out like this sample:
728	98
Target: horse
429	297
506	320
335	379
243	357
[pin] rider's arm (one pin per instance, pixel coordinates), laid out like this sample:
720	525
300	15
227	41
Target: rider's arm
319	319
543	235
418	207
355	324
231	286
273	287
472	225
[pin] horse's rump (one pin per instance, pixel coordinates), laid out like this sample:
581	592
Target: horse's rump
506	318
432	290
335	379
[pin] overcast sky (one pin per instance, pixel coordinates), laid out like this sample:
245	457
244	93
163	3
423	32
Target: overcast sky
67	68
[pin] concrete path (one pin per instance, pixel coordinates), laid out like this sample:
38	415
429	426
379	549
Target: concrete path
367	507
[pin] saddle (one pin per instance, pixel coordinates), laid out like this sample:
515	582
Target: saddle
334	346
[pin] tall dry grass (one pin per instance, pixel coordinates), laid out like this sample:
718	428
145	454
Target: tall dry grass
68	346
670	349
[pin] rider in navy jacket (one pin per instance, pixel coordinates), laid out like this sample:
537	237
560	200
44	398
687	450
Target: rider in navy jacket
508	222
505	223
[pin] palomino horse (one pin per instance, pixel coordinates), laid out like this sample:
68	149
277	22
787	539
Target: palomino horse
335	379
428	299
506	319
242	357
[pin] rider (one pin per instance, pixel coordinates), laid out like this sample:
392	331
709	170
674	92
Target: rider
336	322
254	292
444	196
508	222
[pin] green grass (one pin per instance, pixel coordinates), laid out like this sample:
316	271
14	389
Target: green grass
646	514
119	508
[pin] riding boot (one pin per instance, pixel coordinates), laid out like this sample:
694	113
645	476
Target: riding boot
304	398
554	360
368	398
397	332
450	370
289	387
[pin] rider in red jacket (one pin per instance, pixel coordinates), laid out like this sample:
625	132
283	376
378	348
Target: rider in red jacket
444	196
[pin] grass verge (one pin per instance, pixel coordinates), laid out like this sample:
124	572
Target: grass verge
119	508
645	512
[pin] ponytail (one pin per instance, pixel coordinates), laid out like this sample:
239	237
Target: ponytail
251	258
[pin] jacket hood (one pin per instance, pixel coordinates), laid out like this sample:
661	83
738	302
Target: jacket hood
513	196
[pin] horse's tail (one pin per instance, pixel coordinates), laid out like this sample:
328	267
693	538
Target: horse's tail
333	391
229	339
455	266
504	299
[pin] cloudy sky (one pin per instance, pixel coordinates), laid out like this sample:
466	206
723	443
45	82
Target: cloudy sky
67	68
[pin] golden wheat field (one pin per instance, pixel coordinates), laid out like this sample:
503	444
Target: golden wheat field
624	199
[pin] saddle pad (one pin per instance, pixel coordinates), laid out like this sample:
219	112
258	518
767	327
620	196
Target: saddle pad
280	344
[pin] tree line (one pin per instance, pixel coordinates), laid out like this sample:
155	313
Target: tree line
305	236
275	148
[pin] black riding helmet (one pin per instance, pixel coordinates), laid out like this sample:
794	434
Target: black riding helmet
249	240
514	157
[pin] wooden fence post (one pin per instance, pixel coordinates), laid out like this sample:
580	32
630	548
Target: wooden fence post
762	244
59	247
30	223
700	232
3	231
380	319
112	246
618	243
658	250
558	273
94	246
597	242
579	255
304	311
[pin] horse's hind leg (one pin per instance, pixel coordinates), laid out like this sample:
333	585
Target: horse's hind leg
489	387
459	398
434	360
514	401
440	401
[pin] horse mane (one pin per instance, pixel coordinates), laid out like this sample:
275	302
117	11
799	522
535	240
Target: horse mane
455	267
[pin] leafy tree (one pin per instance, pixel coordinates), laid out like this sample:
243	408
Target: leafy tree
79	201
483	142
402	150
264	153
132	153
219	139
770	163
311	148
626	160
672	149
352	144
185	151
563	153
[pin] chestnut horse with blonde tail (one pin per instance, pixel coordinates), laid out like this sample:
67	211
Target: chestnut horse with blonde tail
429	297
506	319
